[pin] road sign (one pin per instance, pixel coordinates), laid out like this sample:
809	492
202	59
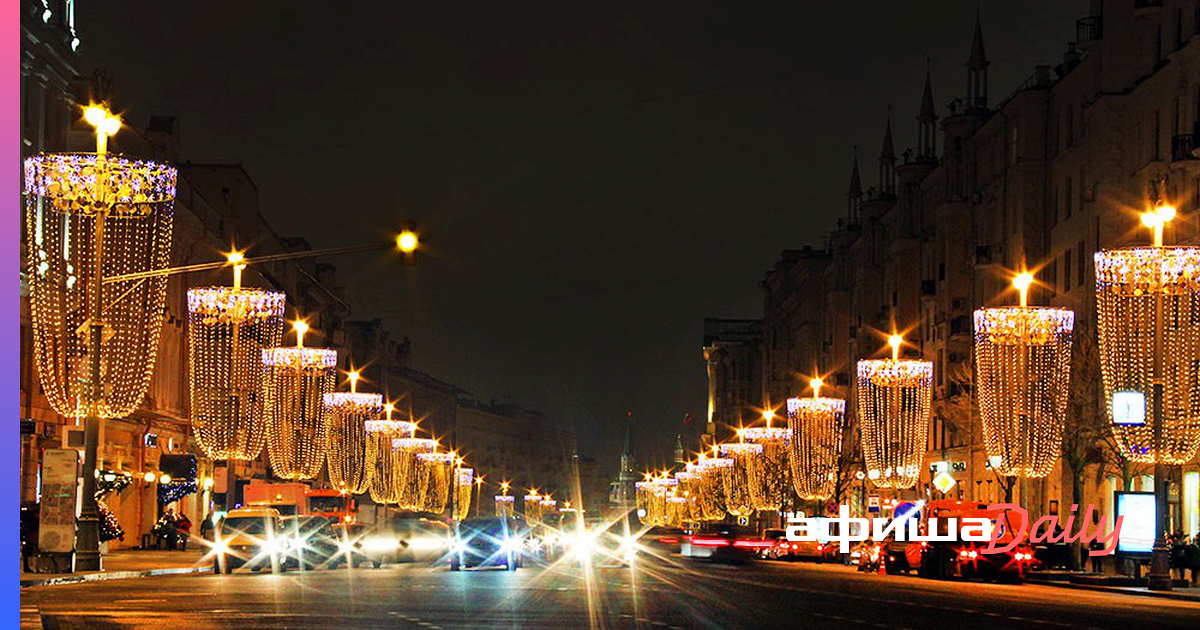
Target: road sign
873	503
944	481
743	520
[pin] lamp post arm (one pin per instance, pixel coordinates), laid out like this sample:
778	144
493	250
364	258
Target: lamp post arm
209	266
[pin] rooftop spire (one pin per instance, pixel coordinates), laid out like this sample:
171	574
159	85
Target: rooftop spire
927	111
855	180
978	56
888	152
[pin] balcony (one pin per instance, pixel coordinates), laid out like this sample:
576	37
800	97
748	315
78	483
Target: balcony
1183	147
1089	29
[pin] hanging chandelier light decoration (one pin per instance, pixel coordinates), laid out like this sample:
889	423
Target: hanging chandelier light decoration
435	474
894	398
228	329
769	472
351	455
1023	376
387	478
709	486
505	503
407	451
816	445
464	479
533	506
88	214
1148	299
297	421
738	478
685	480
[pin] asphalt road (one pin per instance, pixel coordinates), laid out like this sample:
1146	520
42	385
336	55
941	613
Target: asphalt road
656	596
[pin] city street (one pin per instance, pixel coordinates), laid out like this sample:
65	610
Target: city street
687	595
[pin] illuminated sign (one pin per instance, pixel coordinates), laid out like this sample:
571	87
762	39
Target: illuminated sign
1129	408
1137	529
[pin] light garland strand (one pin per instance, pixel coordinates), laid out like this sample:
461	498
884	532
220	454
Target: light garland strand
1128	281
65	196
737	478
228	329
434	471
505	505
464	479
297	420
351	453
894	398
408	471
1023	376
769	472
816	444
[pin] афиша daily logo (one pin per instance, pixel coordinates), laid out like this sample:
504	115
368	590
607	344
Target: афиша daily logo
844	529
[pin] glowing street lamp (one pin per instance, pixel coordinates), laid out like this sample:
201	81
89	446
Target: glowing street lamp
894	399
87	214
1023	363
1148	311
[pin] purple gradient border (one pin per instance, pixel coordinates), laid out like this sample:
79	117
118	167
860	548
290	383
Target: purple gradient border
10	323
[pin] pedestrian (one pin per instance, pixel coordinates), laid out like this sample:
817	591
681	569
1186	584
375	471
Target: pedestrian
206	527
1097	561
169	531
183	530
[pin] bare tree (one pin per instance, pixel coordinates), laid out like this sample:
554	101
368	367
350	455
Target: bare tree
1086	429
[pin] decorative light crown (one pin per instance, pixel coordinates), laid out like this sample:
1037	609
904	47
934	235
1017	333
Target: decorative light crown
354	403
228	305
87	183
1022	325
300	358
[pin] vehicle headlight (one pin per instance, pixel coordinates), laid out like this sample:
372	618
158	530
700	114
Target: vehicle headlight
511	545
220	547
426	543
458	547
583	545
381	543
275	545
345	547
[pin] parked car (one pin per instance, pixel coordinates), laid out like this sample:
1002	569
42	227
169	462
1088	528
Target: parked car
249	537
311	541
480	542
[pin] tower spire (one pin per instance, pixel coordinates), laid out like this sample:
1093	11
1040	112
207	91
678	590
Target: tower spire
887	159
927	121
854	193
977	70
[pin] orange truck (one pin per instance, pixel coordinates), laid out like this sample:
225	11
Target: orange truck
301	500
948	559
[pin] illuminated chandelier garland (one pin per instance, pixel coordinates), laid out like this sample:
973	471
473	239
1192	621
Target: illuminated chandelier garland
435	473
533	507
1129	281
505	505
464	479
297	421
709	487
816	445
686	489
387	479
228	329
769	471
408	470
739	477
351	454
894	398
1023	368
66	196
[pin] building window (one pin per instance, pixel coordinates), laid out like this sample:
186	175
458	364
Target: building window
1066	269
1079	265
1069	188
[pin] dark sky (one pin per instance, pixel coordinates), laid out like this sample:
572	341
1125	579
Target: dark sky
592	182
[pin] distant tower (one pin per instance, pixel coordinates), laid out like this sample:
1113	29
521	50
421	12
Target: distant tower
927	124
622	496
679	458
855	194
887	161
977	72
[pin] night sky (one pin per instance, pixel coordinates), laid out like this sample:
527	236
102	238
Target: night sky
592	183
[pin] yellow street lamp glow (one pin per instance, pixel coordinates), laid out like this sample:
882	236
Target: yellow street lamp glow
301	327
164	479
238	260
816	384
353	376
148	477
1157	219
895	341
407	241
768	414
110	126
388	408
1022	283
95	115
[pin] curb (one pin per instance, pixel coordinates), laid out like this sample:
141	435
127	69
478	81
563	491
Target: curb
113	575
1118	590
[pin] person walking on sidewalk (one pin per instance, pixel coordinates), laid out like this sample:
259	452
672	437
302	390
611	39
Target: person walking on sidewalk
183	530
206	527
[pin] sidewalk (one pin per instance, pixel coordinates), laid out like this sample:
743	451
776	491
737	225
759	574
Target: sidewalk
128	563
1093	582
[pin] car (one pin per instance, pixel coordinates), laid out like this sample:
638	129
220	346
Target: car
250	537
949	559
597	542
495	541
662	540
424	540
723	542
772	552
311	541
360	544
